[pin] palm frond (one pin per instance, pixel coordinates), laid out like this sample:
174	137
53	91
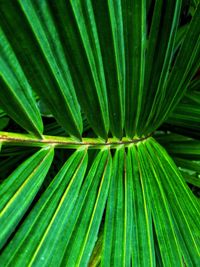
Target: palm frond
93	81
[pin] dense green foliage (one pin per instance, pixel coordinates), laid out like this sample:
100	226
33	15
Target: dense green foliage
99	133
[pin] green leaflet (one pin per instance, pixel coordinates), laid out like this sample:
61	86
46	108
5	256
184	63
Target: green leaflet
107	73
95	258
108	16
134	19
143	253
118	223
19	189
186	115
184	68
190	170
187	112
186	154
180	37
62	102
158	59
16	96
191	178
86	23
44	65
188	164
43	229
162	216
183	205
88	213
79	39
187	148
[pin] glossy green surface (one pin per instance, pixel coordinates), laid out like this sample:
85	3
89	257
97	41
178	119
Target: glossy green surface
99	133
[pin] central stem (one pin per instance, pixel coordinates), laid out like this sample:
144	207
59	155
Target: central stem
63	142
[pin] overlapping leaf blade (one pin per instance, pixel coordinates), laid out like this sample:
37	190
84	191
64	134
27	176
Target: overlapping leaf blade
108	16
16	96
186	154
158	58
79	39
187	112
41	56
183	204
118	222
48	219
186	115
87	215
143	253
183	70
134	210
190	170
161	213
179	145
135	43
19	189
86	23
43	26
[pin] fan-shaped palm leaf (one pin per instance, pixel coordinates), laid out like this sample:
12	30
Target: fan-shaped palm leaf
93	81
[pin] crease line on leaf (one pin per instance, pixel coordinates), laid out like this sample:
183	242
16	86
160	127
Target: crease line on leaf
55	214
94	210
23	185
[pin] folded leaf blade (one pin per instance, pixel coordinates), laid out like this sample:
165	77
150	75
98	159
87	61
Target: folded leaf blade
134	18
162	217
19	189
159	53
185	66
143	252
116	248
183	204
48	218
40	53
16	96
108	16
81	47
83	226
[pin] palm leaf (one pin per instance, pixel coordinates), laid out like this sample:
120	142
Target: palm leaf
187	112
143	252
185	153
135	42
118	224
159	56
19	189
185	67
15	89
47	65
93	80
